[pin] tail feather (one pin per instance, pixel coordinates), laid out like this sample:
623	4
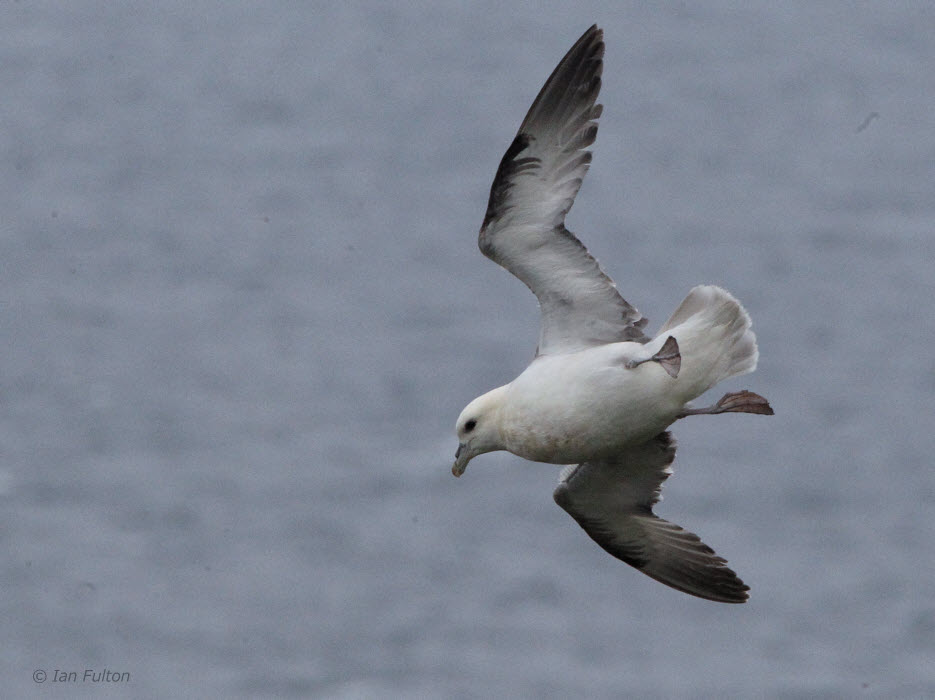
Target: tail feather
713	332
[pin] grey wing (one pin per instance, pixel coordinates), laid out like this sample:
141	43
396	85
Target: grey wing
613	502
535	186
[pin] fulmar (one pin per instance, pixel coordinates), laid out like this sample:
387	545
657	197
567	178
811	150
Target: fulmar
600	394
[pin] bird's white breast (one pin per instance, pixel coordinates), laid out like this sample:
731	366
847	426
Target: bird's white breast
569	408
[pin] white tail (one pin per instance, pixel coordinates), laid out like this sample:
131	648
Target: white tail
713	333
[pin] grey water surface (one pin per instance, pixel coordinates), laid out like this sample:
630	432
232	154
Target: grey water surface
241	306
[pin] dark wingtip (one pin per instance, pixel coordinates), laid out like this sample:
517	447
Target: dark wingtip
580	68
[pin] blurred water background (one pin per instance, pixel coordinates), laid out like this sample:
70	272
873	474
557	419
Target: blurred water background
241	306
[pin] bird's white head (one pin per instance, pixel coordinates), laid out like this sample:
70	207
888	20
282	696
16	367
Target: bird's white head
478	429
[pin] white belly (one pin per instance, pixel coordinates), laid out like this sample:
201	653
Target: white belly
566	409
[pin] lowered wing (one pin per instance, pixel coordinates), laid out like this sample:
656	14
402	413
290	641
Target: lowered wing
613	501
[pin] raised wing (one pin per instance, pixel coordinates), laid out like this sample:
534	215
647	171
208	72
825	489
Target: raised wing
535	186
613	502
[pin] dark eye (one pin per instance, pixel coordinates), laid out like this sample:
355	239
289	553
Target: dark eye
469	426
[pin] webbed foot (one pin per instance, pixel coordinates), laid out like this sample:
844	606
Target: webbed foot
734	402
669	358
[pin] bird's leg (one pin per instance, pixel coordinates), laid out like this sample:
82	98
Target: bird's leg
733	402
668	357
